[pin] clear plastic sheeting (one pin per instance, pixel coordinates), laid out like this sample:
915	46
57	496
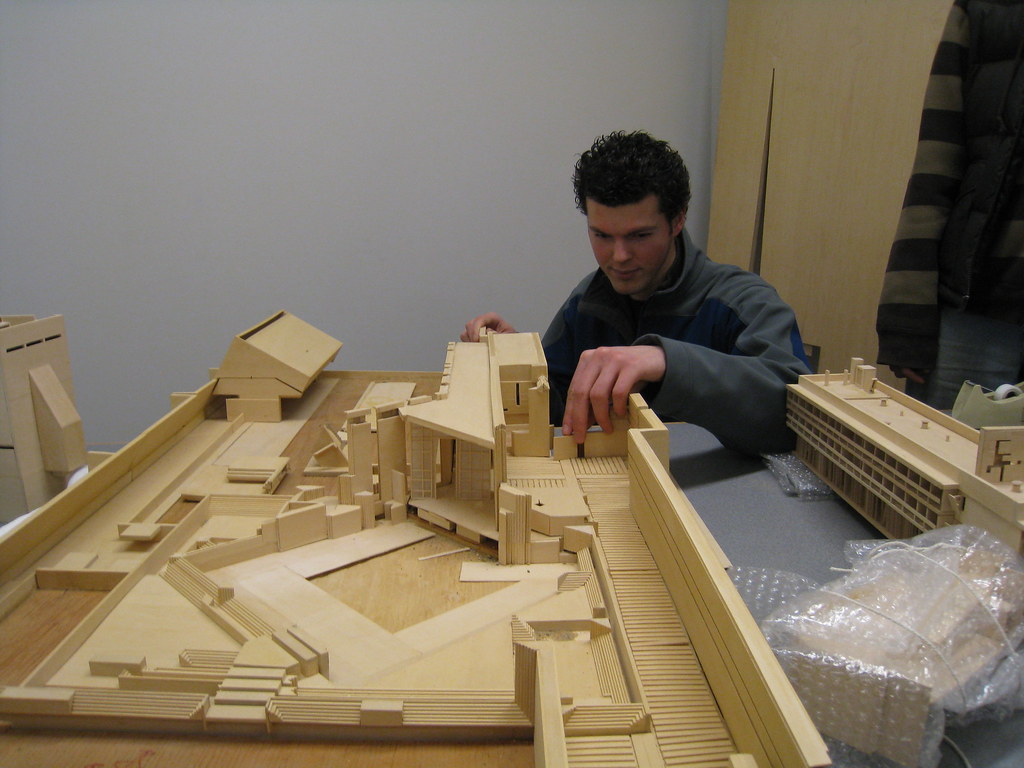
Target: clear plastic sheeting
764	590
917	629
796	478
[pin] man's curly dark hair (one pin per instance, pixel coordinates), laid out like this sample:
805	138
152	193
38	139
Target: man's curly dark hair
624	168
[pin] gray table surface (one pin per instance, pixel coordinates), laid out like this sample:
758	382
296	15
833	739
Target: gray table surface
758	526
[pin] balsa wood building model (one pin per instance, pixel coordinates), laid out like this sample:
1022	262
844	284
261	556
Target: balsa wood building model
41	438
398	556
279	358
905	467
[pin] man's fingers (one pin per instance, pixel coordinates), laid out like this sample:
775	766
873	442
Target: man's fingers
588	400
491	320
624	387
576	420
601	396
604	379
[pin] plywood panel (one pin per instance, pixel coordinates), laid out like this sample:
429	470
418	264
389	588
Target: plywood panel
843	84
751	50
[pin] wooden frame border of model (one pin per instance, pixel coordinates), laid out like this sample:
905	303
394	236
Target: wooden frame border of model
906	467
489	418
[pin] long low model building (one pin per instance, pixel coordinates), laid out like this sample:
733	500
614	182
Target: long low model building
906	467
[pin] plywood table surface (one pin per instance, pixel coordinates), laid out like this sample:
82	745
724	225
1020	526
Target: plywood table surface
98	750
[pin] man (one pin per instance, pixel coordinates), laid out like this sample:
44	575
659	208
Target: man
952	302
703	342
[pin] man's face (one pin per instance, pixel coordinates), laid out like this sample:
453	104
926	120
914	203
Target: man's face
635	245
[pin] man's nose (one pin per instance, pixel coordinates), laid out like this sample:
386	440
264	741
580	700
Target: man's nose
619	251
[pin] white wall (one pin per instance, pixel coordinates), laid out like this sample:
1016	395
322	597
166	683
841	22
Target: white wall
173	172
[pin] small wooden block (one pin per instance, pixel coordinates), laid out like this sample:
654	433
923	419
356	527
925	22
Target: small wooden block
238	714
396	512
368	504
252	673
241	698
263	651
58	425
381	712
113	664
544	549
437	520
309	492
599	443
36	701
87	579
344	519
261	685
254	409
142	532
304	524
266	470
75	561
309	663
346	489
564	448
317	647
468	533
577	537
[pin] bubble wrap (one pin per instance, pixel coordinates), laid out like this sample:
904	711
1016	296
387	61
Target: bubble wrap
918	628
796	478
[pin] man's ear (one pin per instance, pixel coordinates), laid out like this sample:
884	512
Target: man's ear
678	222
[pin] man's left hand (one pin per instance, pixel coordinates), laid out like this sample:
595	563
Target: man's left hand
604	379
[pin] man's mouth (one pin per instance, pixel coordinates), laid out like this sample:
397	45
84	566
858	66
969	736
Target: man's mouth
624	274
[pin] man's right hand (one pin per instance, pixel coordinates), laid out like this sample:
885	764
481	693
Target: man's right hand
604	379
491	320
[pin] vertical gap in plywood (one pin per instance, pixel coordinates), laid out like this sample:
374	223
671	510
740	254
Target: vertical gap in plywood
755	249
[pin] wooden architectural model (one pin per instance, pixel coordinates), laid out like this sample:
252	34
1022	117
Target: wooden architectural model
41	438
907	467
279	358
401	556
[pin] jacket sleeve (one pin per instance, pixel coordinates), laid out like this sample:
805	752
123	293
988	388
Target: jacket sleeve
907	322
739	396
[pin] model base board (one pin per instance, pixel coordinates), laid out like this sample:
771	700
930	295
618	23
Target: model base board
232	594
